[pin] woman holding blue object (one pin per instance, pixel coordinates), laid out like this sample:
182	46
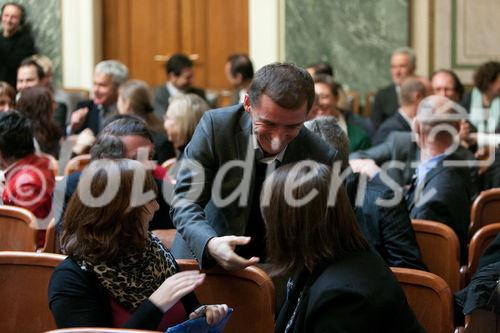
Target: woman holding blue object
338	283
117	274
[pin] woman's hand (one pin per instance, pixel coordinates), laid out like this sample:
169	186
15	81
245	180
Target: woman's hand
214	313
174	288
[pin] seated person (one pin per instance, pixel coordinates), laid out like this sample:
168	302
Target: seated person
327	91
388	229
7	97
180	75
483	102
483	290
29	180
239	72
338	283
31	74
386	102
37	104
108	75
134	99
117	274
413	90
440	190
127	137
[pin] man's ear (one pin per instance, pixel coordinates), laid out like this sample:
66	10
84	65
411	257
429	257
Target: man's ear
246	103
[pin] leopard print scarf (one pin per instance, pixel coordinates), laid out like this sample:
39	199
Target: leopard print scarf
135	275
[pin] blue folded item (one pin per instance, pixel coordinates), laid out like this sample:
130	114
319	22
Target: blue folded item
199	325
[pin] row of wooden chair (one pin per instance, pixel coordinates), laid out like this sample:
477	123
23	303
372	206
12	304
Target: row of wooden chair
25	277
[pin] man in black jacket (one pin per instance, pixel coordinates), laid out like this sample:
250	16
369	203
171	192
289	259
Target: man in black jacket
16	42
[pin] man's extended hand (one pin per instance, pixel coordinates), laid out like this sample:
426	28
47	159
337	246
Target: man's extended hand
78	118
222	250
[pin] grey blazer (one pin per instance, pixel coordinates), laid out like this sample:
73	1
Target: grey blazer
223	135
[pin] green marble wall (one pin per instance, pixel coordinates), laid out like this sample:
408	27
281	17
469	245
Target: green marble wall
355	36
44	17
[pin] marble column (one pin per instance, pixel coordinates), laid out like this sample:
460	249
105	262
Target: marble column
355	36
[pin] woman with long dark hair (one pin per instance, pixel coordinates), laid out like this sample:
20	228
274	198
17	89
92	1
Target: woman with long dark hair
37	104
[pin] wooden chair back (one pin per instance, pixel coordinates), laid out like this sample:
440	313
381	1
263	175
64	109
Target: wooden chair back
17	231
429	297
485	210
440	250
77	163
354	101
479	242
24	284
250	292
369	98
50	245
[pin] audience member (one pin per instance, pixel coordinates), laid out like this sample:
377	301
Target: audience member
328	129
386	101
239	72
179	70
7	97
181	119
446	83
327	91
31	74
37	104
16	42
134	97
440	191
127	137
117	274
413	90
321	68
483	102
28	179
388	229
108	75
338	283
266	130
62	98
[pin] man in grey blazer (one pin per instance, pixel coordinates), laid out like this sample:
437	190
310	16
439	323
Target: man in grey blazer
216	204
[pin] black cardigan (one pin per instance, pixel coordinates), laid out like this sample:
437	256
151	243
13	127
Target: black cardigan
77	299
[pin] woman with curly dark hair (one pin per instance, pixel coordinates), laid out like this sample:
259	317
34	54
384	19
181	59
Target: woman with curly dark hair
117	274
37	104
483	102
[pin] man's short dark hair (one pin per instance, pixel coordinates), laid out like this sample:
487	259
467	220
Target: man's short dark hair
322	68
329	81
241	64
123	125
286	84
107	146
486	74
30	62
176	63
457	84
16	135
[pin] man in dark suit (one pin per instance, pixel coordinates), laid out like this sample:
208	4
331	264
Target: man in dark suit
441	191
239	72
216	205
387	99
179	70
413	90
108	75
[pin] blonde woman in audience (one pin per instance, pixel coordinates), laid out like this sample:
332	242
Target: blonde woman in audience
117	274
183	114
7	96
37	104
134	98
